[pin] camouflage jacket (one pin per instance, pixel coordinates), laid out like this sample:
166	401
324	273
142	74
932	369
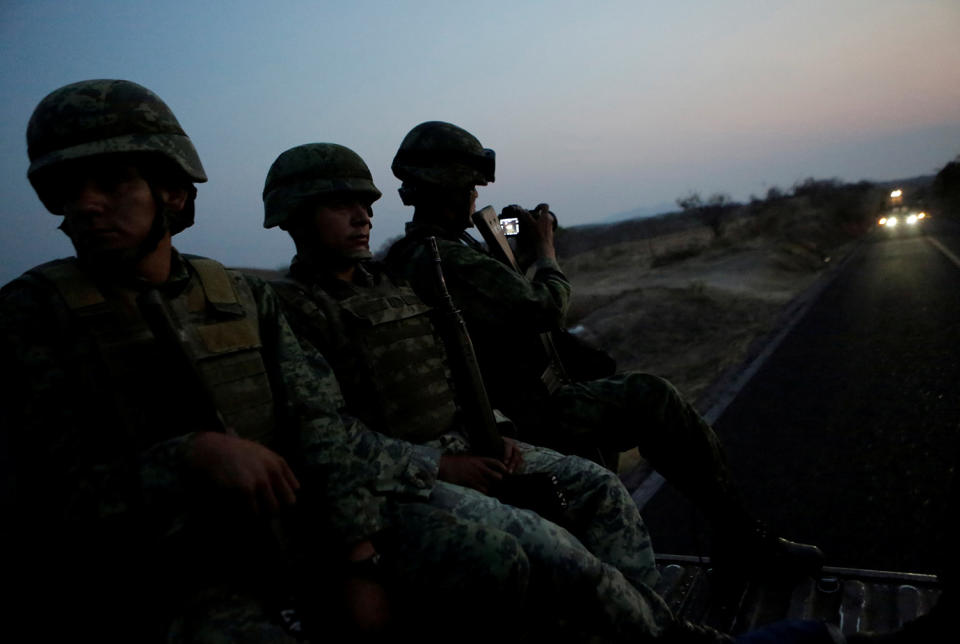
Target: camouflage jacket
489	292
504	311
364	340
76	465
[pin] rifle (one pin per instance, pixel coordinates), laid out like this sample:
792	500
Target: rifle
539	491
481	422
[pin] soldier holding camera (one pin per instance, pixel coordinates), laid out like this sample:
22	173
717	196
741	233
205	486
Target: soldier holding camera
508	315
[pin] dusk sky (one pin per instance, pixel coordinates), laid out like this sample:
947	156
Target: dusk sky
597	108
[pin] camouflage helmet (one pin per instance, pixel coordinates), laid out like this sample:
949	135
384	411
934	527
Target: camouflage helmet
312	170
95	117
443	154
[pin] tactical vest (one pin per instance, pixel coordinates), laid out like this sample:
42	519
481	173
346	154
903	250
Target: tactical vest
382	346
215	323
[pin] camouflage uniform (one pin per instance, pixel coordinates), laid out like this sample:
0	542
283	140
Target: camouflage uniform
98	474
596	570
508	316
592	564
505	312
114	535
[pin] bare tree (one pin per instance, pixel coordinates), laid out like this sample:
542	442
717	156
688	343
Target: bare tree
712	212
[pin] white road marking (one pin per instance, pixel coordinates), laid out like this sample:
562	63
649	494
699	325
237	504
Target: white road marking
943	249
649	487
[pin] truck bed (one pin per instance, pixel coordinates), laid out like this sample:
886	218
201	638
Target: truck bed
854	599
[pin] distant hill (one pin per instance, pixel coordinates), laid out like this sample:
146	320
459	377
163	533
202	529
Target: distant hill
577	239
921	181
664	219
636	213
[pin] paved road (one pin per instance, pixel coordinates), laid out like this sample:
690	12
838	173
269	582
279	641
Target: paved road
847	435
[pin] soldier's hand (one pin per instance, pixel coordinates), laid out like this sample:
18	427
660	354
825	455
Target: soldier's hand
512	456
536	229
477	472
259	476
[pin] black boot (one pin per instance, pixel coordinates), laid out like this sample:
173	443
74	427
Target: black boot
753	553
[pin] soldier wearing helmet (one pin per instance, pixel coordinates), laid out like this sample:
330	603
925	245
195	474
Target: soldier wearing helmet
102	130
506	313
158	416
393	369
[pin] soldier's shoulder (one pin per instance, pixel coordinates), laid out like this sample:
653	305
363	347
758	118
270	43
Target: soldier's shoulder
252	281
31	303
33	285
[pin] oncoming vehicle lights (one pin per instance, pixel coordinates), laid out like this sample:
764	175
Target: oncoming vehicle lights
893	221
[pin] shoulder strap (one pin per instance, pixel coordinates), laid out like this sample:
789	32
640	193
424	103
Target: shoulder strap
74	286
216	281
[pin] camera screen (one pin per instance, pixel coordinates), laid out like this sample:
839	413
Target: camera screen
510	226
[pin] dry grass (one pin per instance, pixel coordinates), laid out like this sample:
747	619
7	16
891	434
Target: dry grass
690	313
697	310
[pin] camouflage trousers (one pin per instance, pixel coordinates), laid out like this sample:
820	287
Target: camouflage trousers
437	568
595	567
644	411
469	562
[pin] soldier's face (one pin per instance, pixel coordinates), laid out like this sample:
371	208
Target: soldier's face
341	226
107	205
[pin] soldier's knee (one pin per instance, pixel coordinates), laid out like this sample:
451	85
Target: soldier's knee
648	391
583	477
647	382
499	585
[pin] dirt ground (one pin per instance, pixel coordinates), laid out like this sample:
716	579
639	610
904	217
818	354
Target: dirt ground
690	314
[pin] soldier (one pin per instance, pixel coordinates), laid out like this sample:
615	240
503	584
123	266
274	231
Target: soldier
175	463
440	166
383	346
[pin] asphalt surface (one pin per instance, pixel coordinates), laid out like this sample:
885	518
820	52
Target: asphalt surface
847	435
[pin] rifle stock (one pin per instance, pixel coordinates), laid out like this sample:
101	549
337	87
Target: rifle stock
488	223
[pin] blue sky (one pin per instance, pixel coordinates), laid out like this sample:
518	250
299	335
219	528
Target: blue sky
597	108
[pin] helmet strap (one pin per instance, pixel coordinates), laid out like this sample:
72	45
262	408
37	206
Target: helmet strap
125	259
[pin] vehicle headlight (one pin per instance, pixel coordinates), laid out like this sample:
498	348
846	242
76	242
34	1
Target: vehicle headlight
883	221
892	222
912	219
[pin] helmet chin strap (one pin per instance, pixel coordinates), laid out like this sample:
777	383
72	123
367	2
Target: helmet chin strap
125	259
